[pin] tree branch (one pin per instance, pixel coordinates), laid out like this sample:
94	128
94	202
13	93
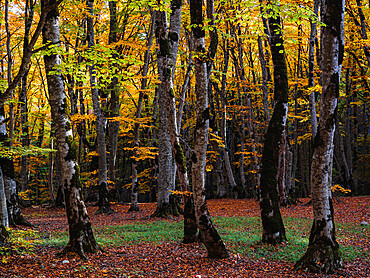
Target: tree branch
27	54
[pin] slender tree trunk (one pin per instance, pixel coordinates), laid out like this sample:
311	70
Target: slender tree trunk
264	79
210	237
50	173
340	154
81	237
9	74
239	65
23	96
223	123
311	69
363	30
355	145
272	223
114	105
103	203
348	136
323	255
135	186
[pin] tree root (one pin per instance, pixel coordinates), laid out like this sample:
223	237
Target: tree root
320	259
78	250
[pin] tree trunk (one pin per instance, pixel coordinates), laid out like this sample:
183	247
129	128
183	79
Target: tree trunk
9	73
166	181
264	80
272	223
81	237
103	203
4	220
114	105
15	216
323	255
223	123
23	97
210	237
311	70
135	186
169	56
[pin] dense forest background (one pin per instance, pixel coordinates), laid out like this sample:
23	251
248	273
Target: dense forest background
121	50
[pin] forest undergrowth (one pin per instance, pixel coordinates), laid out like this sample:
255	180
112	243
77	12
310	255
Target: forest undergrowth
136	245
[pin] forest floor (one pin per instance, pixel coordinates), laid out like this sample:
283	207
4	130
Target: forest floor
170	258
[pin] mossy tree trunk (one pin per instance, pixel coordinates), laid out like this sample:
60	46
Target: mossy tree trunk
81	237
168	55
209	235
272	223
323	254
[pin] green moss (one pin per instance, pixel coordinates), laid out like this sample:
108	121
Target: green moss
76	181
180	157
72	150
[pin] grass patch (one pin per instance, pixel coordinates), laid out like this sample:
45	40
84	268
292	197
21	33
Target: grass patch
241	235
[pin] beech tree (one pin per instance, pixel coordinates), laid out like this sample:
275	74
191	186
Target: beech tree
272	223
323	254
104	205
208	233
166	177
81	237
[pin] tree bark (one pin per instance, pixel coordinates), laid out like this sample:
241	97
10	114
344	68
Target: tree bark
323	255
210	237
81	237
46	7
264	79
311	69
9	73
114	104
272	223
166	181
23	96
4	220
103	202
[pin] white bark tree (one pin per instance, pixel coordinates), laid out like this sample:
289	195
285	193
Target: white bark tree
208	233
81	237
323	254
